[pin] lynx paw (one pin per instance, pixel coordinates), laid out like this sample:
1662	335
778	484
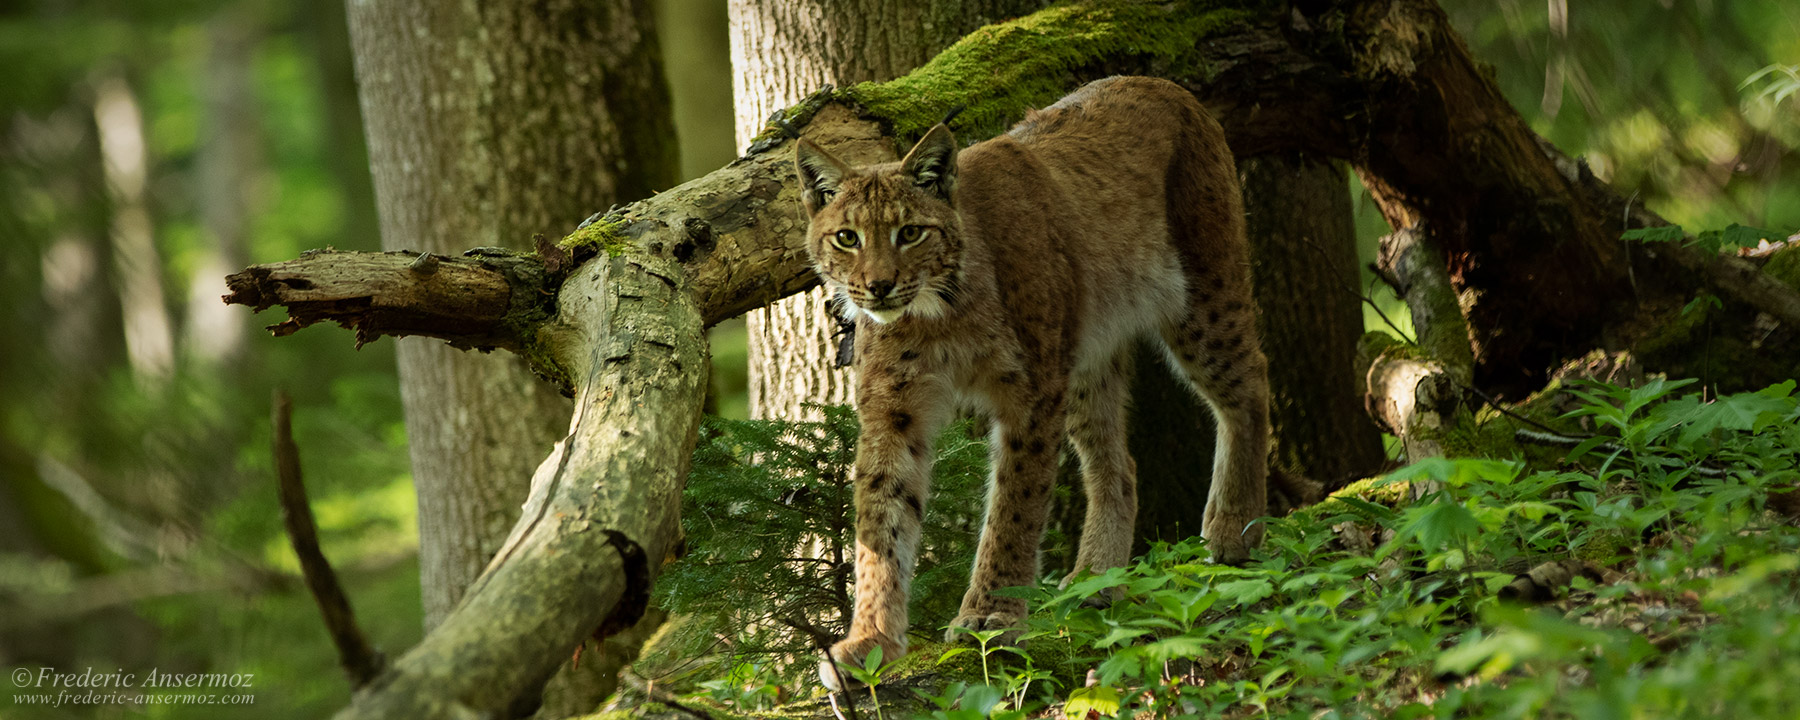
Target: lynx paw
852	652
1231	536
971	622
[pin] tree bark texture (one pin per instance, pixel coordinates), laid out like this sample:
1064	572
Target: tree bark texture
781	51
1415	391
1303	256
489	123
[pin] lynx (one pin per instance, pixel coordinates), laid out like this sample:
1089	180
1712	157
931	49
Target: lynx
1013	278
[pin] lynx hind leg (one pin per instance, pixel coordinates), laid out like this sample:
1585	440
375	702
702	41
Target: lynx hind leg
1216	343
1098	399
1218	349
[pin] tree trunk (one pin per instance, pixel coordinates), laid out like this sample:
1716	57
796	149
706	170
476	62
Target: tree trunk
781	51
488	123
149	333
230	155
1303	255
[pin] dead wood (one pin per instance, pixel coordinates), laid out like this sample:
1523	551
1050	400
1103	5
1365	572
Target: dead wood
360	660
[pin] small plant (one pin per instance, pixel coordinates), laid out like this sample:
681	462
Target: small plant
869	675
982	638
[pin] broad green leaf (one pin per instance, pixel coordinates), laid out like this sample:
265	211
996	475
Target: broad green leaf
981	698
1179	646
1245	592
1662	233
1097	699
1120	635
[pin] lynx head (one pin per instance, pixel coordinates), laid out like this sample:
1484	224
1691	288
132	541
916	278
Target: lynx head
885	238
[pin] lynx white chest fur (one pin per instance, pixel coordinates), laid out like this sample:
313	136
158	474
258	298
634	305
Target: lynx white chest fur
1014	276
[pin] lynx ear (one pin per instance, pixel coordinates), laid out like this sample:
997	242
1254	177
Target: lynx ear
932	163
820	174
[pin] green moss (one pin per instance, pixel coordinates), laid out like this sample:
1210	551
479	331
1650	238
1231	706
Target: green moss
602	235
923	658
998	71
1374	343
1393	495
541	357
1785	266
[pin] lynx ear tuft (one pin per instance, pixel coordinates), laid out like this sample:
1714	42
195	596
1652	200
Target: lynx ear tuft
820	174
932	163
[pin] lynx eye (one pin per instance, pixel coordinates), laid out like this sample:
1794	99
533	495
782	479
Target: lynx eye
846	239
910	234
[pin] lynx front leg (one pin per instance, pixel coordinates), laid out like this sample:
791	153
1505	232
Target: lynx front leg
1024	450
893	470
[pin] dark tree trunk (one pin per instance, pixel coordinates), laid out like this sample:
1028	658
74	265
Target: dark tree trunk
1303	250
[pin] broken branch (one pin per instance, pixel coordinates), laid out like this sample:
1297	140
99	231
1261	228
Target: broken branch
361	661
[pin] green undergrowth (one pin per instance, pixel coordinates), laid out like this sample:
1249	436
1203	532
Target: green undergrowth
1681	595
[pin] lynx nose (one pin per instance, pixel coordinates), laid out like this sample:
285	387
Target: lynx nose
881	288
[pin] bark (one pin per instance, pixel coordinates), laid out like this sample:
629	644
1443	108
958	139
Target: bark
781	52
481	303
1415	391
361	662
1303	256
489	123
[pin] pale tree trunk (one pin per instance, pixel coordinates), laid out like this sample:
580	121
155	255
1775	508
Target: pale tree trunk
149	334
489	123
781	51
229	158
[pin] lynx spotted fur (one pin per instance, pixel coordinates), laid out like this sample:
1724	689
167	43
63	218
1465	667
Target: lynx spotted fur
1013	277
